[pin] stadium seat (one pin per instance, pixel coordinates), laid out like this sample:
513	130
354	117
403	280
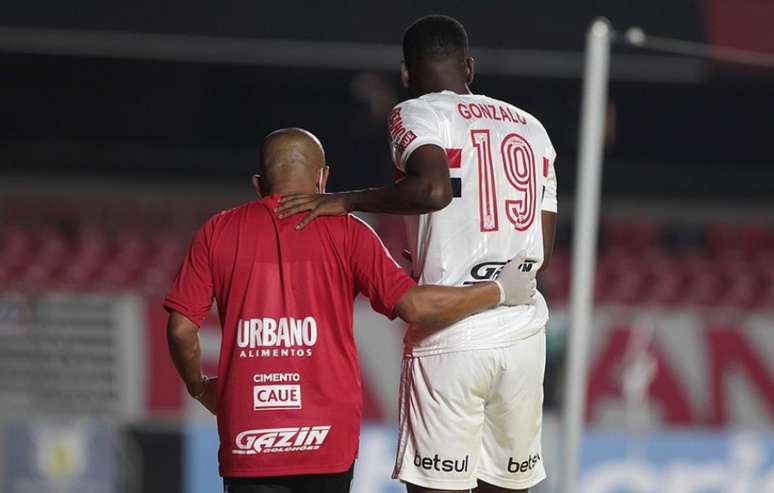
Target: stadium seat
96	244
632	237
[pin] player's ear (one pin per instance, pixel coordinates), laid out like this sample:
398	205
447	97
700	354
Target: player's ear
404	74
256	180
325	172
470	69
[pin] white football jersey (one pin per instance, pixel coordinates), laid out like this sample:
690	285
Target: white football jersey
501	163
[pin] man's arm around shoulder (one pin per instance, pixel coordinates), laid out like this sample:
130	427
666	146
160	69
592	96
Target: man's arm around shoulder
440	306
425	188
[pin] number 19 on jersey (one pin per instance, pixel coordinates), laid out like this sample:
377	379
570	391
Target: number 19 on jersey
518	162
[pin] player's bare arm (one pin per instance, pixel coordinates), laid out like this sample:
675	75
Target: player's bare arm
183	342
440	306
549	233
443	305
425	188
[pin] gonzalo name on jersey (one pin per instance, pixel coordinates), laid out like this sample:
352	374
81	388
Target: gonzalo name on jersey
269	337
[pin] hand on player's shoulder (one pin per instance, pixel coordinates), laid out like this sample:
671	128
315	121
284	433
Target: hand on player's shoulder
318	204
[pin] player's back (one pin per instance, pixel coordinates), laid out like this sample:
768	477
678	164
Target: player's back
501	167
264	266
288	358
260	263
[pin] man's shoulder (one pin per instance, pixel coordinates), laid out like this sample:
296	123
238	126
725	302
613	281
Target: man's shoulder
434	101
222	218
414	106
433	108
438	102
347	223
358	223
227	213
529	117
354	227
488	100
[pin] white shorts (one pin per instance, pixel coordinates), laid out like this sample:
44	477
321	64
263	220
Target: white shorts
473	415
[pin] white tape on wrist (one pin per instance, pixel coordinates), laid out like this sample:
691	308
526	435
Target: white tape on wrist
204	381
502	292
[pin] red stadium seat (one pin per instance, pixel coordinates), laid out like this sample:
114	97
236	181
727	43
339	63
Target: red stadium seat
632	237
96	243
750	238
16	247
554	282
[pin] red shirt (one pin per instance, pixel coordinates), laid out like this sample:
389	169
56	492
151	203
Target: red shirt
289	392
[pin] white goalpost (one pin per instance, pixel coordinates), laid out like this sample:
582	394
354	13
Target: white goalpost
584	245
596	75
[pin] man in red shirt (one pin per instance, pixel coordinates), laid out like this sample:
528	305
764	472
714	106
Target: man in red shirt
288	400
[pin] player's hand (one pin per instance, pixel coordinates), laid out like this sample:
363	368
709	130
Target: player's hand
516	286
206	394
318	204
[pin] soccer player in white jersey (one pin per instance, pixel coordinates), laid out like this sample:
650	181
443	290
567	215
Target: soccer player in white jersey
480	174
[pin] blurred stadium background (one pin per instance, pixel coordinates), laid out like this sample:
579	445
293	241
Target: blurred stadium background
124	125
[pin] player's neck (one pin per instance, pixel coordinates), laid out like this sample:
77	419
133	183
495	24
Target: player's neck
453	86
442	76
292	183
461	88
290	189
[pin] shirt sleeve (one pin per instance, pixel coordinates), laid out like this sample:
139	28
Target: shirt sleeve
412	124
377	275
550	203
192	292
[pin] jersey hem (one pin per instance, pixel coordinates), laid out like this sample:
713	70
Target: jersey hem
418	352
512	484
172	305
396	295
435	483
261	472
550	206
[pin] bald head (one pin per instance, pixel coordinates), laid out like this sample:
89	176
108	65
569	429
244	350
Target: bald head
292	160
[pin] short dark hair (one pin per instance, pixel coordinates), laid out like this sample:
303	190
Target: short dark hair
434	37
